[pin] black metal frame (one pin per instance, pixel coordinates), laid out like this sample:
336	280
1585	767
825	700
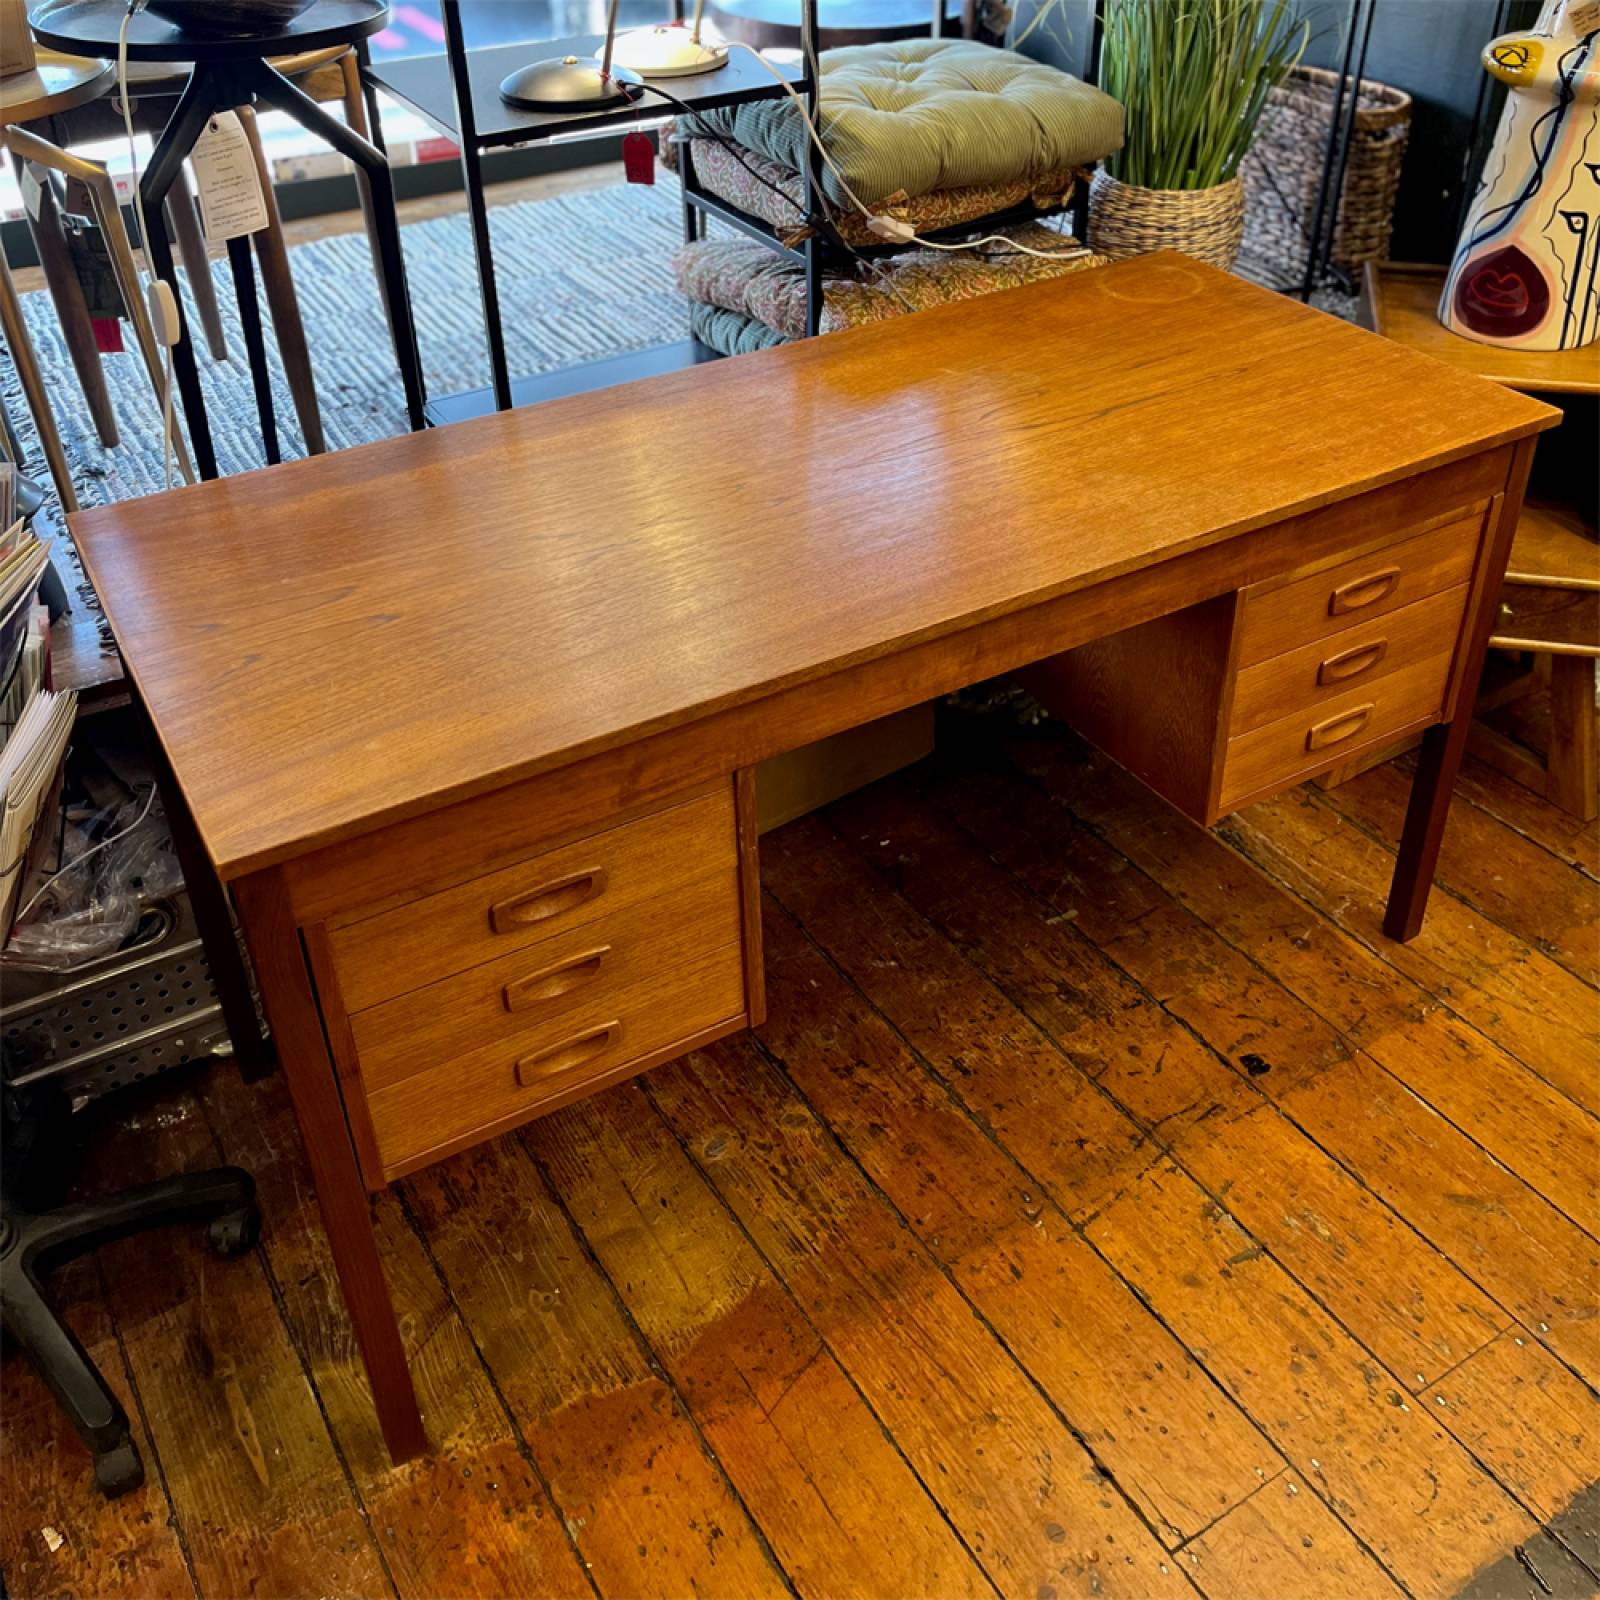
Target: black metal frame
217	86
1336	153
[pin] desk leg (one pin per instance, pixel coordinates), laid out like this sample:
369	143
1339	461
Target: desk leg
1444	744
346	1211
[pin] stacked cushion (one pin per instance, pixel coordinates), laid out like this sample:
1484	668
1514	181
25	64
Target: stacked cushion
743	296
919	116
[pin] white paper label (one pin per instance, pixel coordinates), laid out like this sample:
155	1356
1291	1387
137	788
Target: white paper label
231	201
32	191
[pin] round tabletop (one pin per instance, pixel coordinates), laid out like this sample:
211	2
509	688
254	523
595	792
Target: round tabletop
57	83
90	27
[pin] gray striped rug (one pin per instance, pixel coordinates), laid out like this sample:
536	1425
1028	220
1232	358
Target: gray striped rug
580	276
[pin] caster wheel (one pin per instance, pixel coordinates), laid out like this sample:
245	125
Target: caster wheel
235	1232
118	1469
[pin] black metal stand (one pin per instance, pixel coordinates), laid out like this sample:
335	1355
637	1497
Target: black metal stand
220	86
1336	154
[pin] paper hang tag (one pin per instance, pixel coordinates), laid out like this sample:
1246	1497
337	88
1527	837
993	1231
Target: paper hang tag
231	201
1584	15
638	158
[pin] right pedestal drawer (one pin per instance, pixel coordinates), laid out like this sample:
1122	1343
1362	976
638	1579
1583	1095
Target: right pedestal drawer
1241	696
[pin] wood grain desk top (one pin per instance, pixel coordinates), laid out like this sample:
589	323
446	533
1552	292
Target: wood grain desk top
345	641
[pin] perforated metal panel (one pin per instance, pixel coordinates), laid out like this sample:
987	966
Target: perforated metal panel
140	1011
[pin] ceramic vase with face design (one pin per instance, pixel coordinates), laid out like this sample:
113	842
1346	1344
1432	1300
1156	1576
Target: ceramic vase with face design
1525	270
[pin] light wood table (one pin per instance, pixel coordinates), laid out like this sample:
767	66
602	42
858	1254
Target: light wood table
485	871
1550	605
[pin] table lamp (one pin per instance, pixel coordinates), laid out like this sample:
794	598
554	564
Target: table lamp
572	83
669	50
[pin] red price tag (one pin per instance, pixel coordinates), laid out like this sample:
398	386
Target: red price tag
107	336
639	158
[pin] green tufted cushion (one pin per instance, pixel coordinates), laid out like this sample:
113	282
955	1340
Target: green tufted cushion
923	114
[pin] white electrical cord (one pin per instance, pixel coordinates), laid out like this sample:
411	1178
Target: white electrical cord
72	866
163	305
891	229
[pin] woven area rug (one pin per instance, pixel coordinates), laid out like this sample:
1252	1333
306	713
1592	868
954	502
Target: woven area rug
580	276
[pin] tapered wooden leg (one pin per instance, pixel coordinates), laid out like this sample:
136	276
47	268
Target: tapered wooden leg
183	224
33	389
72	311
346	1212
1573	763
282	302
1443	744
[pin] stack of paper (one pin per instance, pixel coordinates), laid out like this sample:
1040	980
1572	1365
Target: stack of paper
35	722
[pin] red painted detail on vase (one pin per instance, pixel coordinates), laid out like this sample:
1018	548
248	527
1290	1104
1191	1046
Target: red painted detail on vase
1503	294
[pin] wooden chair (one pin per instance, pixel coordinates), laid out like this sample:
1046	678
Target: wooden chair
51	86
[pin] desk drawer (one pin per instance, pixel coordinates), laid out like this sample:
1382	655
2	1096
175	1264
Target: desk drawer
525	997
474	1094
1281	617
1284	751
540	898
1337	665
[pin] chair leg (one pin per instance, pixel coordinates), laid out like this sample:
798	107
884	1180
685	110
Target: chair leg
72	310
282	302
183	225
355	116
1573	763
33	389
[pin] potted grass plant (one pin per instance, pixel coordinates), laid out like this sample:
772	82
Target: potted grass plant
1193	77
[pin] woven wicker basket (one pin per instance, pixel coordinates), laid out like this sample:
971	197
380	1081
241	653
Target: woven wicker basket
1125	220
1284	168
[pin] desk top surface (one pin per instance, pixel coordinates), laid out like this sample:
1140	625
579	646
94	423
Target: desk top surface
360	637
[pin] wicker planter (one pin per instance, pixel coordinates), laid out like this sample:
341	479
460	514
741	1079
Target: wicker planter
1125	220
1284	168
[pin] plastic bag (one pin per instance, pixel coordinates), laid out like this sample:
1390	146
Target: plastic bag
116	863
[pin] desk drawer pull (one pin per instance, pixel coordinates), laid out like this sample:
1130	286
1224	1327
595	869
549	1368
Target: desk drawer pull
549	982
548	900
570	1053
1362	592
1353	662
1335	730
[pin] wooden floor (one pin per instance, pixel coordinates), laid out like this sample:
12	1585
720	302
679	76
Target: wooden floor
1105	1209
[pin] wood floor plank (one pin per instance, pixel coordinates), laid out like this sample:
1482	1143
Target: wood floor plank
1174	1442
1506	877
1511	1242
1465	1072
1562	834
809	1457
1026	1496
471	1517
1534	1424
1285	1544
60	1538
1510	991
1402	1484
645	1505
258	1489
1401	1296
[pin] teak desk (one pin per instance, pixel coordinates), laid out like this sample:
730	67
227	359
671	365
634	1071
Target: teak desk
467	720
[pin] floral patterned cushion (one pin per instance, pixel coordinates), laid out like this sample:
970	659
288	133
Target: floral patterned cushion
746	278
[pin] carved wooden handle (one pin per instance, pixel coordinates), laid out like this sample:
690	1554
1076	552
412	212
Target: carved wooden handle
570	1053
1360	592
1335	730
1353	662
548	982
548	900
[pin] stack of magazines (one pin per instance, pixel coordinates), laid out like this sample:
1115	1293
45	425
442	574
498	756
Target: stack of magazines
35	721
